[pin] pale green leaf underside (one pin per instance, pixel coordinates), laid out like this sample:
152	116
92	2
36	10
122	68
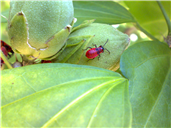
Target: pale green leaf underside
102	11
147	66
64	95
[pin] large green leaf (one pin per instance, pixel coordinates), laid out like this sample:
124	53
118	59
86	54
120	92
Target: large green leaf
147	66
150	17
108	12
64	95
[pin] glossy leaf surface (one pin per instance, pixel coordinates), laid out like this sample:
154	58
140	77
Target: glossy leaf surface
102	11
64	95
147	66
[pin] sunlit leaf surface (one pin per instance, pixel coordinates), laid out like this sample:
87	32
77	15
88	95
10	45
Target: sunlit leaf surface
64	95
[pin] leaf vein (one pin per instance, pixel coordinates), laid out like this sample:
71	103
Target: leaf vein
155	104
74	101
65	83
100	101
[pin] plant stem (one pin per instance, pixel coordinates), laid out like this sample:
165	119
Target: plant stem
145	32
6	60
4	17
166	17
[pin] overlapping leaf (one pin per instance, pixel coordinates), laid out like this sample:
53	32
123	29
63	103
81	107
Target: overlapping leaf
64	95
147	66
108	12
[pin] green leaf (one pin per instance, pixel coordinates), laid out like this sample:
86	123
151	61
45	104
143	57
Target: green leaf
64	95
150	16
108	12
147	66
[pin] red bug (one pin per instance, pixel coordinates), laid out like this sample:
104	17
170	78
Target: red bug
94	52
6	49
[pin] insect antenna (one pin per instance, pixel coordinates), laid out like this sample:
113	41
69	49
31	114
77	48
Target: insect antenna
105	43
107	50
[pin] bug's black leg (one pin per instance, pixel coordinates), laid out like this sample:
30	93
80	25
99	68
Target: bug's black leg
98	56
90	59
94	45
87	48
107	50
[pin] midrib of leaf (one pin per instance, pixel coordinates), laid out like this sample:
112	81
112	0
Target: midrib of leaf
104	13
158	97
154	57
106	7
100	101
75	101
80	80
102	18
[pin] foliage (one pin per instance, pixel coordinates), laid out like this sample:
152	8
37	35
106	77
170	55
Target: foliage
69	95
149	86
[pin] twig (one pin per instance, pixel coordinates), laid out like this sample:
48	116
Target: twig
166	17
6	60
